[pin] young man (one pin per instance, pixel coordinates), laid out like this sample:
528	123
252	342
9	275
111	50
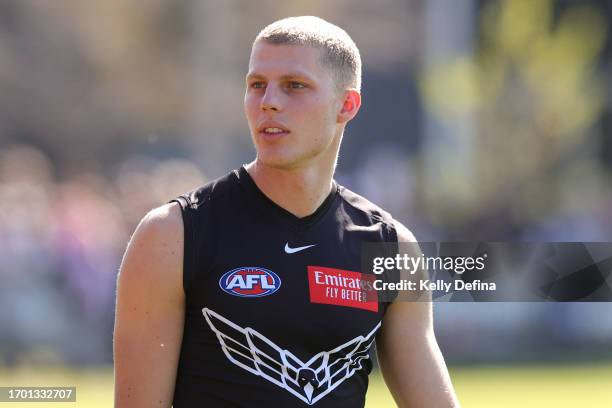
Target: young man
229	296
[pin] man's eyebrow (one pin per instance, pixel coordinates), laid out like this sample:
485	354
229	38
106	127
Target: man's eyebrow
254	76
291	75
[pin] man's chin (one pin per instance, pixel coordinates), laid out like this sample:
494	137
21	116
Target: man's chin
278	162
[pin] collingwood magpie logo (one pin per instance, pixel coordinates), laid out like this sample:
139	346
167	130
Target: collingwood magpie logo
309	381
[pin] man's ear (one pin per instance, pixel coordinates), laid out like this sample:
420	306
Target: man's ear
350	105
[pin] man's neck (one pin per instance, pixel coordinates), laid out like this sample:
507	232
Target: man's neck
300	191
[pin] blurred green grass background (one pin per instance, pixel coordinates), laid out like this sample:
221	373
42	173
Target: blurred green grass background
537	386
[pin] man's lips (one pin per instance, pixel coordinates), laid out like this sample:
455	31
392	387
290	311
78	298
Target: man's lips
273	131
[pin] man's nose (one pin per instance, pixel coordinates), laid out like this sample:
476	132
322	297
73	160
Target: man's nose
271	100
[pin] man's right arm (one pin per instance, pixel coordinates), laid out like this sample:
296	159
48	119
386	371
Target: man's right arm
150	312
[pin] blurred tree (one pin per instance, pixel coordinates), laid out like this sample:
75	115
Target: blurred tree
75	76
536	95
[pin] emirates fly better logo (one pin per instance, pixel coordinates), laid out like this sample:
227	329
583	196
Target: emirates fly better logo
338	287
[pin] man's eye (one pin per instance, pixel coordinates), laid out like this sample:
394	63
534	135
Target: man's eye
258	85
296	85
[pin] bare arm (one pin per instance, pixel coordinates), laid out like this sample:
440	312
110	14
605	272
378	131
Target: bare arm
409	356
150	312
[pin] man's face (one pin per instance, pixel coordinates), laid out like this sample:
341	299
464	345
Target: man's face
292	105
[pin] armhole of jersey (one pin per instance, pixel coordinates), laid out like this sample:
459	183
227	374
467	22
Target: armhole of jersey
390	233
188	240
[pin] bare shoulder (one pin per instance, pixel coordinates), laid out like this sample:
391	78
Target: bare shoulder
155	251
150	311
409	245
163	222
403	233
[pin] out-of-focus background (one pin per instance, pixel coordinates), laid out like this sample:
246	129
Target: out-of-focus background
481	120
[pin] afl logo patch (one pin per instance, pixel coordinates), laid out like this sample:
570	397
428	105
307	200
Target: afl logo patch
250	281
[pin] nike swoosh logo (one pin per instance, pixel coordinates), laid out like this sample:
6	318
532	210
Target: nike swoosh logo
290	250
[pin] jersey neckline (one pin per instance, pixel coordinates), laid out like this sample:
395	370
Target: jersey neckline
247	181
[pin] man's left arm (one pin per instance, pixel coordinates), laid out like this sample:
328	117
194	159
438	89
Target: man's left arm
408	353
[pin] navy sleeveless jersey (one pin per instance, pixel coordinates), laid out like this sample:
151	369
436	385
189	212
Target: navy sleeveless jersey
274	316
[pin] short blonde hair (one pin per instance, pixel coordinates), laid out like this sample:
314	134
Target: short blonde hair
338	51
